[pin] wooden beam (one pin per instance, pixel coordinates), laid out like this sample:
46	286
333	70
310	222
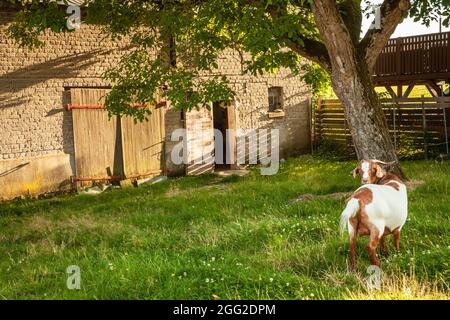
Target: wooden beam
433	88
407	78
391	91
408	90
399	90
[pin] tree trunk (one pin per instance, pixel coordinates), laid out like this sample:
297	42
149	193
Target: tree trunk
351	81
365	116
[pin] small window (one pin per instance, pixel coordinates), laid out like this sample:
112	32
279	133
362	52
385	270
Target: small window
275	99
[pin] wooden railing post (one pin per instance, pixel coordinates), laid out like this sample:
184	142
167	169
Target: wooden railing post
398	54
447	61
424	128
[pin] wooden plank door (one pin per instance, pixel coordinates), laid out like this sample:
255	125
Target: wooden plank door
200	141
143	144
97	142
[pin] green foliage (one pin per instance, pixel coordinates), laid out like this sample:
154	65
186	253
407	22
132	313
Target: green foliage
235	238
176	43
420	10
318	79
34	18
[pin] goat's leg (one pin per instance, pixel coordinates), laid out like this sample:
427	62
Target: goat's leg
352	250
372	248
396	235
384	249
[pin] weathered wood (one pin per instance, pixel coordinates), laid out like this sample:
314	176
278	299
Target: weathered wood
200	137
115	146
143	144
96	137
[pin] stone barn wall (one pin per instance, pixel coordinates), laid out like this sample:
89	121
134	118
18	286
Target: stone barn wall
36	135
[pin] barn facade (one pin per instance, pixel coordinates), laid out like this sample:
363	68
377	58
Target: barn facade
54	134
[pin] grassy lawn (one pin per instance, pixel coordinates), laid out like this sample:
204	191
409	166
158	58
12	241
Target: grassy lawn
222	238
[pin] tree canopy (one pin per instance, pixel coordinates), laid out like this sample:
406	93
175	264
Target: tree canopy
190	34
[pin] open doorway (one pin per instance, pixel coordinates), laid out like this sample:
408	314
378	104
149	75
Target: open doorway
223	120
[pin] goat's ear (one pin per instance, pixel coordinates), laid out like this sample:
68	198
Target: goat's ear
380	171
355	172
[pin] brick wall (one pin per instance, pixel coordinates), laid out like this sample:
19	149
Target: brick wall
34	88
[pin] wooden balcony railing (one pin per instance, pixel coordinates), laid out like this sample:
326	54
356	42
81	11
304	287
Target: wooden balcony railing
416	57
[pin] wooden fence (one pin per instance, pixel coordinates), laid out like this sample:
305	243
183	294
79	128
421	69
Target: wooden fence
420	124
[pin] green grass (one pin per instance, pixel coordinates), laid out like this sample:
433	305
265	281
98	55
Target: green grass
222	238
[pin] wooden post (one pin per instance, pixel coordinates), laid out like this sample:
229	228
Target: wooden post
424	128
445	127
399	125
398	53
311	128
394	121
399	90
318	132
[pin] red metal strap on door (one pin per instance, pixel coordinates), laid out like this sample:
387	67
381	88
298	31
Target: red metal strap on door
70	107
81	179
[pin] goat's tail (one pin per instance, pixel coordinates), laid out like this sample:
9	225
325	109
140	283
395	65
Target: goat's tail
350	211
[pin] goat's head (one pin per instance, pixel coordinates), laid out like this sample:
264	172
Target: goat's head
370	171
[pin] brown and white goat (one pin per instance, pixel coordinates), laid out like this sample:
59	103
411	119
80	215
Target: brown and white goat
376	209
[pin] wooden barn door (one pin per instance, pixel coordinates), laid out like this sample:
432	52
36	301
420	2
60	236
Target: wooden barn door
200	141
143	144
97	139
116	147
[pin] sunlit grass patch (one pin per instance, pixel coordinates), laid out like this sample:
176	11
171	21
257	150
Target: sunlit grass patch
211	237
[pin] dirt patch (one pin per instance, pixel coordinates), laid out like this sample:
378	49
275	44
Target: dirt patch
334	196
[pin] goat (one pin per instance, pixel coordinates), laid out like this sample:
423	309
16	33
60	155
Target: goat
378	208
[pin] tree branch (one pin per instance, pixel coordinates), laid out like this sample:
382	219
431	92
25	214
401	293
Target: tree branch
312	50
372	44
335	35
308	48
350	11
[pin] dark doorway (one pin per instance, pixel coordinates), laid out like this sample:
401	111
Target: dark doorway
223	119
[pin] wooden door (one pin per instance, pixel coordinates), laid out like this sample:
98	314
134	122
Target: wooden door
97	139
143	144
200	141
